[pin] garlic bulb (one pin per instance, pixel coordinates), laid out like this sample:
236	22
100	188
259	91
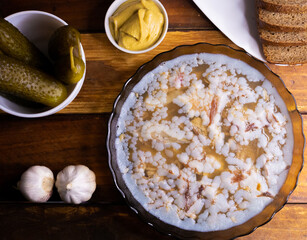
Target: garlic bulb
36	184
76	184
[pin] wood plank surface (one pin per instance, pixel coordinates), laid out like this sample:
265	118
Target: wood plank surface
74	139
55	142
88	15
77	134
105	221
108	69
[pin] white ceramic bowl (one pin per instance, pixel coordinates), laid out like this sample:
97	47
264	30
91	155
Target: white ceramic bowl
38	26
110	12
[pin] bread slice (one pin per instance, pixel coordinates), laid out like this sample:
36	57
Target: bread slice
285	54
286	6
283	38
277	21
282	26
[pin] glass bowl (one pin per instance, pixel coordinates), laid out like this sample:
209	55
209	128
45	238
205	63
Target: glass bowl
279	200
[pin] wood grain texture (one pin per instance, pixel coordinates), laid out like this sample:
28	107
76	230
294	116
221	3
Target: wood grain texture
77	135
295	79
61	140
108	69
88	16
55	142
109	222
104	221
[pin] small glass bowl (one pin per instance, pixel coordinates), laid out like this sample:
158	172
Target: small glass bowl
298	150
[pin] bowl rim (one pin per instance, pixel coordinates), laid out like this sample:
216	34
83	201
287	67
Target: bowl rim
113	7
13	15
152	221
76	89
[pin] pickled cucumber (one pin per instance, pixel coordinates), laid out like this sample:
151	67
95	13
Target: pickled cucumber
62	41
69	69
63	45
24	81
14	44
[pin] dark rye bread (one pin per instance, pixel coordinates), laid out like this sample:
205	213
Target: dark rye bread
277	21
285	54
286	6
282	26
283	38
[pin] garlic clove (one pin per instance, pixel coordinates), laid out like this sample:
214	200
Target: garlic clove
76	184
36	184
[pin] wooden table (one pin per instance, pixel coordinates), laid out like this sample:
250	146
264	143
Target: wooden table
77	134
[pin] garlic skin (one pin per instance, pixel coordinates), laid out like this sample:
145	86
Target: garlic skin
76	184
36	184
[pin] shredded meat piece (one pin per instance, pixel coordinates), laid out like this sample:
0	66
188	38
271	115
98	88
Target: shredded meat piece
266	194
250	126
195	131
187	197
213	109
179	78
201	188
238	176
275	118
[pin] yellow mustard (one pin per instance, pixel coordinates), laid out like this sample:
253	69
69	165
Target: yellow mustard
137	24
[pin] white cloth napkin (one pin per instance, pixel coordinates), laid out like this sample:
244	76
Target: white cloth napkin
237	20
